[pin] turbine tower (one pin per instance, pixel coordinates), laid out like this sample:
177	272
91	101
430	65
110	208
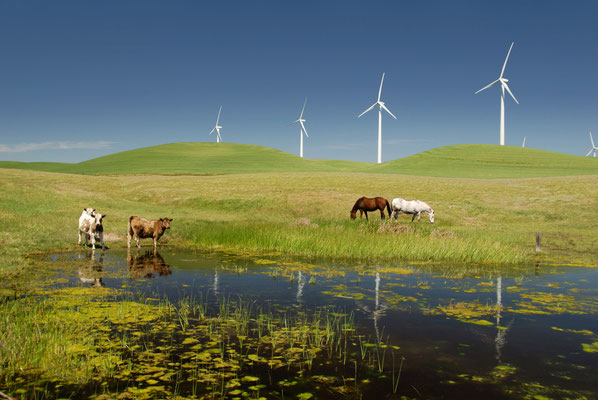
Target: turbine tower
302	129
594	148
381	106
217	128
503	86
523	144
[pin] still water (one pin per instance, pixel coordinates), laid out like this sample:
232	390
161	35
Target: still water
411	331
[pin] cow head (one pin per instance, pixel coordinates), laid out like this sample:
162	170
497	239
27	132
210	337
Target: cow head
165	222
98	219
89	211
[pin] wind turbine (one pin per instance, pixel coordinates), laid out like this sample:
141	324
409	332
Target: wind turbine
381	106
523	144
503	86
302	129
594	148
217	128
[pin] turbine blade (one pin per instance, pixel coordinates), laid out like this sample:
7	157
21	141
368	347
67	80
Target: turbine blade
506	59
372	106
589	152
381	82
293	123
486	87
303	127
592	140
509	90
218	119
303	109
213	129
388	111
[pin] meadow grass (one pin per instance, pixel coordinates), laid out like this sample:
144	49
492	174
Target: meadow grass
307	214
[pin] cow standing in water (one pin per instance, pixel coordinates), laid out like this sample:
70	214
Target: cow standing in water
140	228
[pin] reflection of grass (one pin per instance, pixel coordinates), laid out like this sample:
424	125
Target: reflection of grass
79	340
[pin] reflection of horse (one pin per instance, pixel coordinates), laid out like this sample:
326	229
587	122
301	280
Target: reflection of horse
415	207
147	265
91	274
365	204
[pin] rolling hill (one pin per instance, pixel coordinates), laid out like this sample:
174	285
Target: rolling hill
460	161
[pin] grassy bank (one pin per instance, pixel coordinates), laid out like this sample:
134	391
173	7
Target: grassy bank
307	214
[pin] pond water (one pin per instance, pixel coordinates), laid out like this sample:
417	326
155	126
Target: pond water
289	329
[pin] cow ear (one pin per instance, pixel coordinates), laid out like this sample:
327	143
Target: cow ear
161	219
103	216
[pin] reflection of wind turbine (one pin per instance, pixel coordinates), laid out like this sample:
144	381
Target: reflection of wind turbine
594	148
302	129
381	106
217	128
503	86
300	285
501	331
215	286
378	310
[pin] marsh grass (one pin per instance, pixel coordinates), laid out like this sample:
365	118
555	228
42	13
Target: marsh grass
88	341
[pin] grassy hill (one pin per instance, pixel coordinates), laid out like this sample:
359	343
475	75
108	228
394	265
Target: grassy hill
463	161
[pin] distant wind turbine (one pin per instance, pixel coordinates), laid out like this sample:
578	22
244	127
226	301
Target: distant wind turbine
503	86
302	129
381	106
594	148
217	128
523	145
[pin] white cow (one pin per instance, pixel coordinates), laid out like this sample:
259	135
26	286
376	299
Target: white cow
90	226
415	207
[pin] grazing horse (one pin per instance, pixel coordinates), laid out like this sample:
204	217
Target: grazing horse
415	207
365	204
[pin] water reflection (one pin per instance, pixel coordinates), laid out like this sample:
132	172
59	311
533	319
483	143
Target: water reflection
91	273
146	265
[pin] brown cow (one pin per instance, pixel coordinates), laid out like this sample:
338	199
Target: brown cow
141	228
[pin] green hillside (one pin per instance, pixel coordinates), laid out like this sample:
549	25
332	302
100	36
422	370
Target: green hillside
462	161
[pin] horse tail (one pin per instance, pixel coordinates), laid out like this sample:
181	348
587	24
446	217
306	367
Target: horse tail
388	208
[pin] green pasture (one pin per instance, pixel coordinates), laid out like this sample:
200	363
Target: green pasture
458	161
490	221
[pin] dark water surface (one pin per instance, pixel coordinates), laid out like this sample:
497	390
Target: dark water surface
452	331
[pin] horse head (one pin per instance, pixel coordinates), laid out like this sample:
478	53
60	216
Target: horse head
431	216
353	213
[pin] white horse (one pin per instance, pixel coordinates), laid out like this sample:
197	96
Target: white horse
415	207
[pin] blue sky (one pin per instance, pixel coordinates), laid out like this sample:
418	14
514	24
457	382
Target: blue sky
81	79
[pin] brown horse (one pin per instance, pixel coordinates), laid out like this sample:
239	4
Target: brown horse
365	204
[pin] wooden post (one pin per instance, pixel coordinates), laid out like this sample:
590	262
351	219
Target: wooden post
538	242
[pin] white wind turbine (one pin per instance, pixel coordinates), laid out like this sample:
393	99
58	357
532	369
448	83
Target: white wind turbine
217	128
381	106
503	86
523	144
302	129
594	148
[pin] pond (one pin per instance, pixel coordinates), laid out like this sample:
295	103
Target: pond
239	326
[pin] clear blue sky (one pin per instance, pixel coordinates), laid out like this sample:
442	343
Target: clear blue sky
81	79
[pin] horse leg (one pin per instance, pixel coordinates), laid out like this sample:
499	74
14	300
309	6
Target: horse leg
414	215
382	214
360	213
419	214
366	215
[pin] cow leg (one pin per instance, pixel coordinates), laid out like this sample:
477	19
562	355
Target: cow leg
128	240
137	241
93	239
102	240
155	243
79	241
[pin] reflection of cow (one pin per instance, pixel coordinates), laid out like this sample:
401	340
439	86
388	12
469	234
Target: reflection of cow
147	265
92	273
